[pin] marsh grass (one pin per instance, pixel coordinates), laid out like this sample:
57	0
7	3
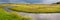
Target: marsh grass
11	16
38	8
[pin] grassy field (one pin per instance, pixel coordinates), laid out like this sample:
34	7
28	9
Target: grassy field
31	8
11	16
36	8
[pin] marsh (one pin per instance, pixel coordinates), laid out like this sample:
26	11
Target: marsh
41	16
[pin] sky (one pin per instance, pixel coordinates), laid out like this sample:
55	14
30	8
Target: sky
30	1
4	1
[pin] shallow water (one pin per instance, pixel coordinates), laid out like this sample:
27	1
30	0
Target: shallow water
54	16
50	16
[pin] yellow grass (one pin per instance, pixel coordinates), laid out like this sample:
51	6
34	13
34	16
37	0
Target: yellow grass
36	7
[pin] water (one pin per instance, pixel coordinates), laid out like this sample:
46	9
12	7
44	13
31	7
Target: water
54	16
50	16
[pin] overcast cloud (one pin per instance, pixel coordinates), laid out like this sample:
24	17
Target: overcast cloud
30	1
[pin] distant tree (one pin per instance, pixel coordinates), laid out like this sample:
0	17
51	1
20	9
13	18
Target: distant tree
57	3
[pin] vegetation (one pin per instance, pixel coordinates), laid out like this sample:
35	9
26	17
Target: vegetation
36	8
11	16
57	3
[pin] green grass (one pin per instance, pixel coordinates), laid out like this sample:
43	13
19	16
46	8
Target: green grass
11	16
37	8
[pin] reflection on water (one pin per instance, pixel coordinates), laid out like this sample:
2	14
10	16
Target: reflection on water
54	16
50	16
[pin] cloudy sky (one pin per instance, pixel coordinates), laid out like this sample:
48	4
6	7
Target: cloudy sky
30	1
